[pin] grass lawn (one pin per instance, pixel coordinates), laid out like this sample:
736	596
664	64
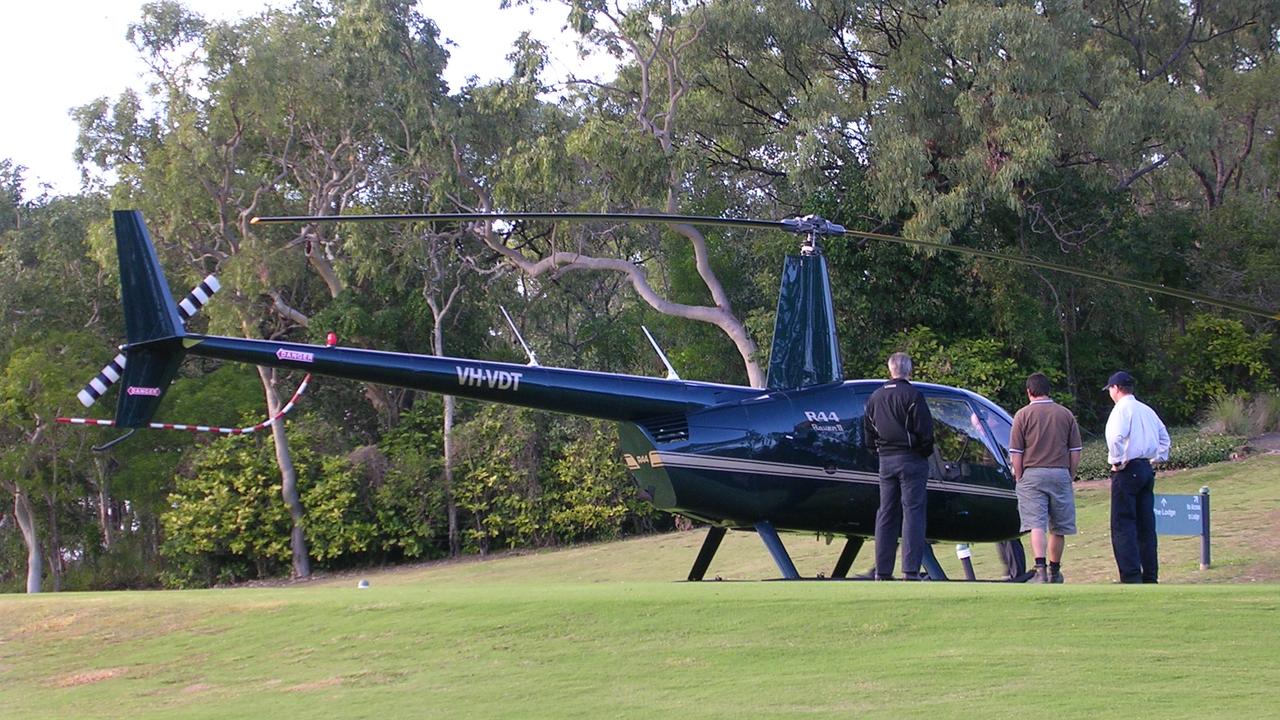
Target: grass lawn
603	631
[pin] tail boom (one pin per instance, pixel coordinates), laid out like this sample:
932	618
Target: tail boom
577	392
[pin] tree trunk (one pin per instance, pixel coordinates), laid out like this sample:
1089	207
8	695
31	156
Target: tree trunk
104	503
54	556
288	477
27	524
450	408
451	505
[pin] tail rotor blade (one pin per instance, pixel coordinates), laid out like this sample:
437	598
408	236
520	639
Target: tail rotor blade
199	295
98	386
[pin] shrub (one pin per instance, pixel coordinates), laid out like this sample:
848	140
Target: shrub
1218	357
1264	414
587	493
1236	415
128	565
1227	415
226	522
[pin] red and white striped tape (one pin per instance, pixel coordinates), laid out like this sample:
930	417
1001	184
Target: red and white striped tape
201	428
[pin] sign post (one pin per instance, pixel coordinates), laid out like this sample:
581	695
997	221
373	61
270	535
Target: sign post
1185	515
1204	535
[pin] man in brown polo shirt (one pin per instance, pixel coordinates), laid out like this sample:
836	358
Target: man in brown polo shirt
1045	448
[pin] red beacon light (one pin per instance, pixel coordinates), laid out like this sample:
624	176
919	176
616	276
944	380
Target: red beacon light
331	339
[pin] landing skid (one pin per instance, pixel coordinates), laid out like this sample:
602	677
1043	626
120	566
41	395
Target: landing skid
1011	555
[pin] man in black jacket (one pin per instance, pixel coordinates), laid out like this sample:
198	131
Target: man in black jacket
897	424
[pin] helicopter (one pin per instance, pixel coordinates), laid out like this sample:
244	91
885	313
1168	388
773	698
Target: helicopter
789	457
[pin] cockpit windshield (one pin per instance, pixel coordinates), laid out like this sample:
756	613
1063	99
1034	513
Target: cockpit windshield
998	424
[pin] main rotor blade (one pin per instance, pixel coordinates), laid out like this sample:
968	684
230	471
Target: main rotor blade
806	225
572	217
1034	262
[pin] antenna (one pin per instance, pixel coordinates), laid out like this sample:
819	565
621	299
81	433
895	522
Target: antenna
671	372
533	359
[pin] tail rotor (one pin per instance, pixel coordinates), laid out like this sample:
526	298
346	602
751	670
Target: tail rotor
114	370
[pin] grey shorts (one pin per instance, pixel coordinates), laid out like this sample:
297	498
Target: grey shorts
1046	500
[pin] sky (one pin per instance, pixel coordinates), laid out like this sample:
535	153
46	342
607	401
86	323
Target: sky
59	54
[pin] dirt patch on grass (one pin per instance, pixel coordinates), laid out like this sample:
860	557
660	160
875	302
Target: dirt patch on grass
45	625
317	685
89	677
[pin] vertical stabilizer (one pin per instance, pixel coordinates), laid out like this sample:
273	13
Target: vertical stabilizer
805	348
152	323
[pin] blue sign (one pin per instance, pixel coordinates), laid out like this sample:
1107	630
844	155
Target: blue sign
1179	515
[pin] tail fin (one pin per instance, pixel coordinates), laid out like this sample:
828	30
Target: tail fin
805	348
152	323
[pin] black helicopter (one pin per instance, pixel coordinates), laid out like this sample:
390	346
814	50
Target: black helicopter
789	457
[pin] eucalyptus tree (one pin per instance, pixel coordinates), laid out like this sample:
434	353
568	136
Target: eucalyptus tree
11	194
207	139
49	300
1221	60
621	148
993	104
287	111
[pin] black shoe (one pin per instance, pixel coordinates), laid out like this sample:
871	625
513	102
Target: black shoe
1041	576
1055	577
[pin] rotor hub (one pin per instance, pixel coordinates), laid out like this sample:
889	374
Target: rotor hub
812	226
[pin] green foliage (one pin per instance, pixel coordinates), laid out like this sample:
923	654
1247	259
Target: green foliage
524	478
1236	253
496	483
980	364
128	565
409	495
337	522
227	522
587	493
1217	357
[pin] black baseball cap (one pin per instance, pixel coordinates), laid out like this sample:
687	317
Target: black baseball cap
1120	378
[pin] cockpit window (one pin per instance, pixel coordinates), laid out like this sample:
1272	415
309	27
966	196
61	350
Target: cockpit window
960	433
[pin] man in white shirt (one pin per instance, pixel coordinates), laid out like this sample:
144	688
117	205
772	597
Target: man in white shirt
1135	438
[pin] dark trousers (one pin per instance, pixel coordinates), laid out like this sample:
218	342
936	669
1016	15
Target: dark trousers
903	502
1133	523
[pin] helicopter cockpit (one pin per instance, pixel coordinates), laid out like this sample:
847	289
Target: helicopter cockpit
969	442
